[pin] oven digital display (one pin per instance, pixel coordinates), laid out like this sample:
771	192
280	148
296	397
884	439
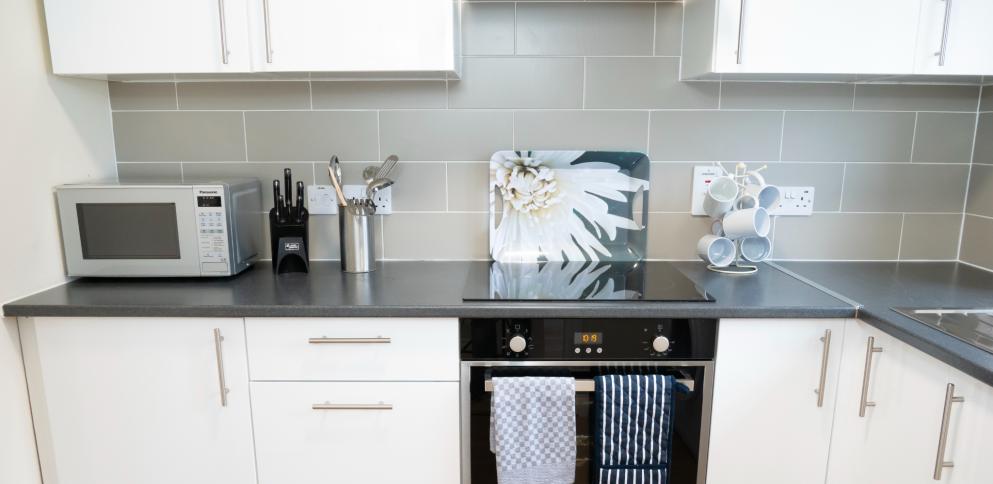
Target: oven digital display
208	201
588	338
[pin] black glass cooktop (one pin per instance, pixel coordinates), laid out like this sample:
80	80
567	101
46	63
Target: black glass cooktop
581	281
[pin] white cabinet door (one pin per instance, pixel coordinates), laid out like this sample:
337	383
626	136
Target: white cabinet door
95	37
955	37
817	36
896	439
354	35
766	407
357	432
970	432
125	401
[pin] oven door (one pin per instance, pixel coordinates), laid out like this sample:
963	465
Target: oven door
129	231
691	429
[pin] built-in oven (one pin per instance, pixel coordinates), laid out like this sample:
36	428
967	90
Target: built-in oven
584	349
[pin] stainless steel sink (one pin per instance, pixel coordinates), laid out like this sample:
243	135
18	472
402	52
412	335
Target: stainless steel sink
974	326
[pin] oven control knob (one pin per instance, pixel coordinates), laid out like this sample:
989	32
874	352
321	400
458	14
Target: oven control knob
660	344
517	344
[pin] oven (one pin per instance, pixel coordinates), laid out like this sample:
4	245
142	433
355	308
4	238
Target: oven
584	349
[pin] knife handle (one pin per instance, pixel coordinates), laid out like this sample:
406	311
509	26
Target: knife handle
275	197
288	184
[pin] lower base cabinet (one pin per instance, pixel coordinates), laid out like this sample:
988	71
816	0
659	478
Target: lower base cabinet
357	432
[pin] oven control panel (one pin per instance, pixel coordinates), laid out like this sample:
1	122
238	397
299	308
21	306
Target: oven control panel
588	339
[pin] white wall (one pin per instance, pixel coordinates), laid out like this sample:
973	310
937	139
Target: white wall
52	130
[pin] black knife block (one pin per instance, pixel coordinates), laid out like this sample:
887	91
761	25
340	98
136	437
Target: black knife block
289	243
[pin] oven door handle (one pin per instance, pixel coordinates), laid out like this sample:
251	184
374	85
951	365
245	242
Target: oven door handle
588	386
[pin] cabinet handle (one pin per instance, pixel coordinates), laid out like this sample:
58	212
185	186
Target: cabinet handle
322	340
220	366
352	406
944	33
268	34
826	339
870	348
224	32
741	26
940	464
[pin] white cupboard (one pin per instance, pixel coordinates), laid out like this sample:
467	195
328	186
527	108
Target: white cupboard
122	400
774	396
98	37
955	37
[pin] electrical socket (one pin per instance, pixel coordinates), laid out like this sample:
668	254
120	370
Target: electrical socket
702	176
383	198
321	200
796	201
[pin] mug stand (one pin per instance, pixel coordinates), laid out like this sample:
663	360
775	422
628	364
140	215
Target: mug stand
737	267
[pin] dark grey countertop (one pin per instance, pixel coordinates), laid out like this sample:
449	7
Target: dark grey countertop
409	289
879	286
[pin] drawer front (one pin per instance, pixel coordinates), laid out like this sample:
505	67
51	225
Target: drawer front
360	432
353	349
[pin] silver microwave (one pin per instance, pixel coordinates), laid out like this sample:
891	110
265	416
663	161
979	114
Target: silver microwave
119	229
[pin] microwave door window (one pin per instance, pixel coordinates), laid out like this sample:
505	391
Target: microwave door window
128	230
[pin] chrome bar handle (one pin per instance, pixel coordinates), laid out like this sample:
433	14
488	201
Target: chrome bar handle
944	33
268	34
940	463
870	348
825	354
325	340
352	406
224	32
220	366
741	26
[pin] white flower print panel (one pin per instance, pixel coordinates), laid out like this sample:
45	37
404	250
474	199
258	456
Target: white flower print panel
568	206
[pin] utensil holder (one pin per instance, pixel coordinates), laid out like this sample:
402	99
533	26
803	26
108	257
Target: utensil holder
289	243
357	239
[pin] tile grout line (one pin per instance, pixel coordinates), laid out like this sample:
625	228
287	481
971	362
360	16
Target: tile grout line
913	137
841	197
244	132
968	178
583	104
175	88
782	135
855	88
515	28
447	206
379	135
899	246
310	92
655	28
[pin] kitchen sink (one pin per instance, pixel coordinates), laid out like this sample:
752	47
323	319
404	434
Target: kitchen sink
974	326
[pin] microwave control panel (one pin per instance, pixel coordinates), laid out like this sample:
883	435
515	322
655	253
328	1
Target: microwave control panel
212	229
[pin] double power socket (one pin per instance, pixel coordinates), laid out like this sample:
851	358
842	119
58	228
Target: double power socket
796	201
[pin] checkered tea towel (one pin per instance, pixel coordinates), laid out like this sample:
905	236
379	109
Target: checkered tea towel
533	430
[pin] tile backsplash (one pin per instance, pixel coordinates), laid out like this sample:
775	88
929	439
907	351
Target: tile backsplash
890	163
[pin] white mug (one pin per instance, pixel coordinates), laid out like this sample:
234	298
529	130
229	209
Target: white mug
755	249
746	201
750	222
720	196
717	228
768	196
716	251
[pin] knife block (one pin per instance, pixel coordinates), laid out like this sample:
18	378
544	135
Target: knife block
289	241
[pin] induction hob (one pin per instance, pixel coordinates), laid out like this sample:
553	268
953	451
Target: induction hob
581	281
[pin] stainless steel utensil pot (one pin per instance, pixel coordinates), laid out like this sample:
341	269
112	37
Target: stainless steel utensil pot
357	229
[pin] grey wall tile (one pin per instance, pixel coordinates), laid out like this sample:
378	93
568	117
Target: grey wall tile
468	187
427	236
266	172
419	187
668	28
244	95
142	95
518	83
848	136
671	187
311	135
987	99
171	172
906	97
981	191
379	94
904	188
786	95
930	236
844	236
674	236
984	140
587	130
179	136
488	28
826	178
715	136
585	28
644	82
446	135
944	138
977	241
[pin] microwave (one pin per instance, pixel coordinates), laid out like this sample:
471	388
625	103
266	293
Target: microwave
194	229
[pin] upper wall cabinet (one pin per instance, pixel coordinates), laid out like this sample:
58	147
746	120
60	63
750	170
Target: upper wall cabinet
955	37
389	38
835	39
